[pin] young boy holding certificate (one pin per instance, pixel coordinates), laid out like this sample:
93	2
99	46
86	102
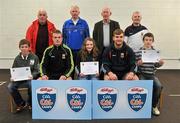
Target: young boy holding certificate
147	69
24	59
88	55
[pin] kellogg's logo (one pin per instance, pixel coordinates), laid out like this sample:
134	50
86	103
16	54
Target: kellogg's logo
76	98
137	97
46	97
107	98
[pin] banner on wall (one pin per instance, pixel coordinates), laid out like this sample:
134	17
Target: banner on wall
86	99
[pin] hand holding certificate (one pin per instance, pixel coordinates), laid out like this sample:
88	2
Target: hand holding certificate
150	56
89	68
20	73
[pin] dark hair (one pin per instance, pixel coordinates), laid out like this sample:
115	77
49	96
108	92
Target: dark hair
118	32
56	31
24	41
84	52
148	35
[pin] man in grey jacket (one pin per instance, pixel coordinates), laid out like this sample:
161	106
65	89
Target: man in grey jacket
103	30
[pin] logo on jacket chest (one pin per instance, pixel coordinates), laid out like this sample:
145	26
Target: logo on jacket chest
32	62
63	56
122	55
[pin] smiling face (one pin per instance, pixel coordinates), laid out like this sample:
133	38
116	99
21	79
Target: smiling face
136	18
89	45
57	39
118	40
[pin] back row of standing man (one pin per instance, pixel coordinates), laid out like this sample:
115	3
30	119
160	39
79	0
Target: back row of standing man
76	29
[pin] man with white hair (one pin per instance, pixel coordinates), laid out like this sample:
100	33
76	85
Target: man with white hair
103	30
39	33
135	32
75	30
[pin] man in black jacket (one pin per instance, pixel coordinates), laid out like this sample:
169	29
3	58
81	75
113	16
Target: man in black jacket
57	62
103	30
119	59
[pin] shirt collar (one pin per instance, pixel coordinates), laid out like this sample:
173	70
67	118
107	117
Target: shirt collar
24	57
75	21
106	22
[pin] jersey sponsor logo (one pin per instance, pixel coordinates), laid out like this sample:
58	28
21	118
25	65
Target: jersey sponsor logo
107	98
63	56
76	98
32	62
52	56
130	33
122	55
46	98
137	97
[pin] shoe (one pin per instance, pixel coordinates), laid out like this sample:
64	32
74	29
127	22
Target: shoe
20	107
156	111
29	107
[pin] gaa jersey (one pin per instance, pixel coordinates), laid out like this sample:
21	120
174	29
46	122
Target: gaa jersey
134	36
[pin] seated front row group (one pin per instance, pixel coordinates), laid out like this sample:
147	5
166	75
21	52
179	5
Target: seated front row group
118	62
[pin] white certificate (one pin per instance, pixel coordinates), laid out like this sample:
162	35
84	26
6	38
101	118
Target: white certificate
89	68
20	73
150	56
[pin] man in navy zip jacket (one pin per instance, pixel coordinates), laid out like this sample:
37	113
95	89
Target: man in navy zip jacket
119	59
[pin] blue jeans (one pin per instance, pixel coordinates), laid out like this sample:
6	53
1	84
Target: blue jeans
13	89
88	77
157	88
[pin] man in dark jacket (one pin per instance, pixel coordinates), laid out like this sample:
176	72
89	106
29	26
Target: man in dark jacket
119	59
57	62
103	30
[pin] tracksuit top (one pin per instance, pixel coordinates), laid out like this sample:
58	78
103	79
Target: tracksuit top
74	35
32	32
31	61
120	60
134	36
56	61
